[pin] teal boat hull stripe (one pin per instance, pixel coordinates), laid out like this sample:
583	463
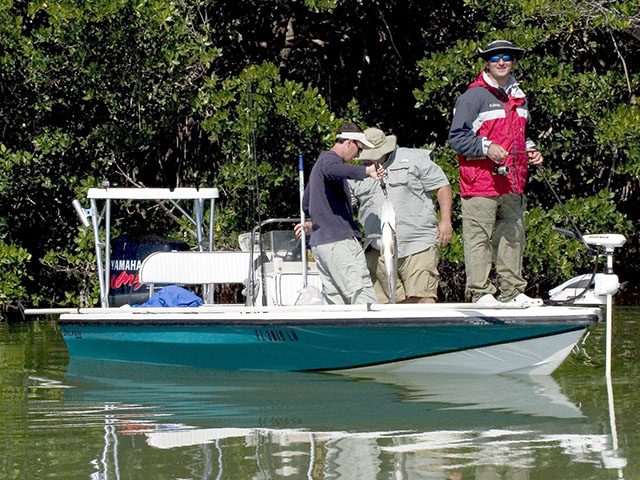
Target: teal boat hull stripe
276	346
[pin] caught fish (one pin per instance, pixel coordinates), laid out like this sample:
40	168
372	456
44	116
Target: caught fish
388	249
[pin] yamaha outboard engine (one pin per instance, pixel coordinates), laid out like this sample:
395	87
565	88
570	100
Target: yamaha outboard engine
128	253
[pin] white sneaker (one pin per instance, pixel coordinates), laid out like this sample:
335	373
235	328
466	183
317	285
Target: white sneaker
487	299
523	300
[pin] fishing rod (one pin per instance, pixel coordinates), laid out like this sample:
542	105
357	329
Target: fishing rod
256	210
576	231
303	236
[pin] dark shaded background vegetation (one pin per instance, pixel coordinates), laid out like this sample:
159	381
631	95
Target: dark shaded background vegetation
228	93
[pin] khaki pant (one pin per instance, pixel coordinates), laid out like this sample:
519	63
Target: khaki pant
343	271
417	274
493	231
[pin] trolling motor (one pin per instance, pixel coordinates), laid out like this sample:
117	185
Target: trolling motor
591	288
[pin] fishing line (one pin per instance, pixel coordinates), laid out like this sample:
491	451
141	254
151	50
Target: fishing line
576	232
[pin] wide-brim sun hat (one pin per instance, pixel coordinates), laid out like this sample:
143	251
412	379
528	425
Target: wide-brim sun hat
500	46
382	144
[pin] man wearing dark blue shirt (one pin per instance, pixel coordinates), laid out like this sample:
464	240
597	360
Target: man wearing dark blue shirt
335	238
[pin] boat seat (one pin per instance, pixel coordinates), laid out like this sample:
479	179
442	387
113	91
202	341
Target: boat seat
195	268
284	279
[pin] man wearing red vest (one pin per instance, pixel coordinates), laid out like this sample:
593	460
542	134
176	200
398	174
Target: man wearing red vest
488	132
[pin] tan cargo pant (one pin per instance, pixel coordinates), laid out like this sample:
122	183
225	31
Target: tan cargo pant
343	271
493	231
417	274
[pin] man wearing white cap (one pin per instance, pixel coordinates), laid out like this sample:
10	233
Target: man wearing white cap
335	237
488	133
411	177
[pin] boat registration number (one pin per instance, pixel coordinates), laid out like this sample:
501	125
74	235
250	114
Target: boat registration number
276	335
72	333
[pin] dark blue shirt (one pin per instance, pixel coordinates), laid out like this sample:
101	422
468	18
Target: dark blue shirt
327	201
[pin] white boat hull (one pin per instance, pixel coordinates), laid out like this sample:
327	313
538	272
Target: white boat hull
539	356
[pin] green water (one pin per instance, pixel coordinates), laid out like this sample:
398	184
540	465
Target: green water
65	419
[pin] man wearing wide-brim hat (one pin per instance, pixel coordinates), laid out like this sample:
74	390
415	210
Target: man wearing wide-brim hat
500	47
411	179
488	132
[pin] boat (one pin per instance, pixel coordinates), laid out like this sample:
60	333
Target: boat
283	324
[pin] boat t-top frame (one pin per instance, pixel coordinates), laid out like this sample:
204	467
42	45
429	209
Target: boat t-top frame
103	245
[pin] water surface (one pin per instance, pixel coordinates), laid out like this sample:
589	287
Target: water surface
81	419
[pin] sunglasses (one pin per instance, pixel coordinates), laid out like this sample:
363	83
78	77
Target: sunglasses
505	57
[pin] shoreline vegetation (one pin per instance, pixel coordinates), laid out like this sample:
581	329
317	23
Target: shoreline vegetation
228	94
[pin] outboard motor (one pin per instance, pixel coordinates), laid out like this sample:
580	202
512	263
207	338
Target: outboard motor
128	253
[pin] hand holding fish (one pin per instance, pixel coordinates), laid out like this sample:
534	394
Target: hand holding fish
375	171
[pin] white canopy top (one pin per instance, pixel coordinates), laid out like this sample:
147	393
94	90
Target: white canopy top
153	193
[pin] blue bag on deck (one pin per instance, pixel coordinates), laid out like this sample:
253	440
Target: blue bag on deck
173	296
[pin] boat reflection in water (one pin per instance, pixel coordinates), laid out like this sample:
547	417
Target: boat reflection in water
222	424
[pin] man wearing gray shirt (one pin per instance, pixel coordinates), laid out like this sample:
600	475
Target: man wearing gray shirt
411	177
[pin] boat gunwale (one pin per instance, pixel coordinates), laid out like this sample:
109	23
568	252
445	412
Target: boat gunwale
369	308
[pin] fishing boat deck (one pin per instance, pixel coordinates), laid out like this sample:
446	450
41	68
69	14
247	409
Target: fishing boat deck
334	315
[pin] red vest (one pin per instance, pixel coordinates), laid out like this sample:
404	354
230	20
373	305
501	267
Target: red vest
503	120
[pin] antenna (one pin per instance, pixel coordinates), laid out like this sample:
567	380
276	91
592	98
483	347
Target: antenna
83	214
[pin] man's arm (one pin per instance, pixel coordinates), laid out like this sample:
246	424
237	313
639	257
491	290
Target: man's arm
445	201
305	201
336	169
462	137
